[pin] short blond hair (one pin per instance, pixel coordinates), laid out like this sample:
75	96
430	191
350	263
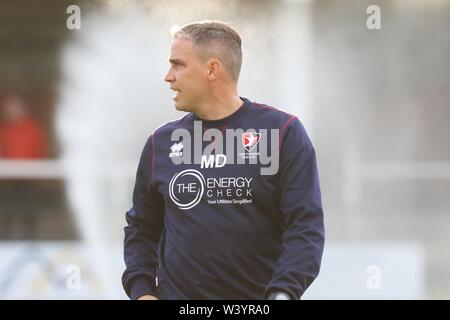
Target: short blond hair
215	39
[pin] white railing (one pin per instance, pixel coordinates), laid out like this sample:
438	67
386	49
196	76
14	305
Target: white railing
356	171
55	169
31	169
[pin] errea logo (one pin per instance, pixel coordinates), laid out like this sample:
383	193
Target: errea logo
176	150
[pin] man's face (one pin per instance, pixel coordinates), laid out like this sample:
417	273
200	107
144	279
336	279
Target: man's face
187	75
13	109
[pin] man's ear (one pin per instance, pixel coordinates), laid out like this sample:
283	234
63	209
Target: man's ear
214	66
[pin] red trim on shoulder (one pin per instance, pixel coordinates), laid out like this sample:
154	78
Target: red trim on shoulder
291	118
261	105
172	121
264	106
283	129
153	156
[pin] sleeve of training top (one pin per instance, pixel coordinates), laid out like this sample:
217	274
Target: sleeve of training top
301	214
145	221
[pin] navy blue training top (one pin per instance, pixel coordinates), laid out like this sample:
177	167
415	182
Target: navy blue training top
215	227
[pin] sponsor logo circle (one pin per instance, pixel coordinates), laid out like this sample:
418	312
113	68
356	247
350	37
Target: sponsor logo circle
198	195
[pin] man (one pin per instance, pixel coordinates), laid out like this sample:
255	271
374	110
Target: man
212	224
21	136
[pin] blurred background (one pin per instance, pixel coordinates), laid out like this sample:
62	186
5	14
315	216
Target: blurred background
81	89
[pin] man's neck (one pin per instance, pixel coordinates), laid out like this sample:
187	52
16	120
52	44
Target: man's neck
220	107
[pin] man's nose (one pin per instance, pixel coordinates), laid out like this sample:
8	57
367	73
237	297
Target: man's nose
169	77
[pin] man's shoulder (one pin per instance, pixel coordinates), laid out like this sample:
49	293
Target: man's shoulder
168	127
273	113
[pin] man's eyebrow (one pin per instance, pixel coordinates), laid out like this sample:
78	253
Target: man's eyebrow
176	61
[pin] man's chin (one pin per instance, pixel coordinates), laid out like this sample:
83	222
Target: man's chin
181	107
